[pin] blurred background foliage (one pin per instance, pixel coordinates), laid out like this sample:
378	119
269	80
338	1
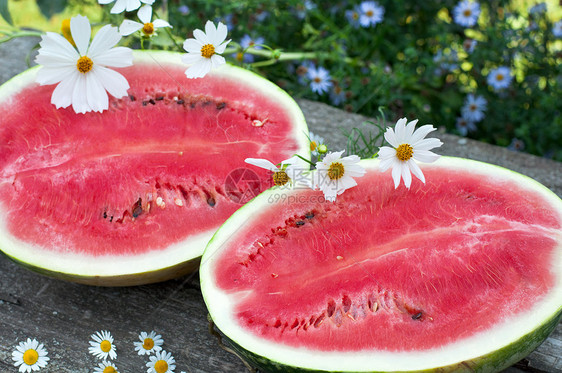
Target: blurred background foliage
416	62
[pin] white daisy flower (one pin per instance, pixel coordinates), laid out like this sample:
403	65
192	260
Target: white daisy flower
203	51
466	13
317	144
150	342
320	79
408	146
83	79
106	367
291	171
161	362
371	13
464	126
474	107
30	355
125	5
557	29
147	27
102	345
499	78
335	174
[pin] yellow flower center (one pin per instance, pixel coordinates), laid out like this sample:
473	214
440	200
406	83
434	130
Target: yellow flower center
336	171
161	366
148	28
65	29
105	346
472	107
208	50
355	16
313	145
369	13
109	369
148	344
317	80
499	77
404	152
30	357
467	12
280	178
84	64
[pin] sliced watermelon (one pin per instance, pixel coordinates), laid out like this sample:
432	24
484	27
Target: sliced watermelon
133	194
463	273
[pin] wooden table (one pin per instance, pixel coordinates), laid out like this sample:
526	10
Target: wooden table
63	315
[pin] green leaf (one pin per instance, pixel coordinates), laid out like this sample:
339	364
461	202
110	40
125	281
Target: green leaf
4	12
51	7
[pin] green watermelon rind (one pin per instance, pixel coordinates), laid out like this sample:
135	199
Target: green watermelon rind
147	268
491	361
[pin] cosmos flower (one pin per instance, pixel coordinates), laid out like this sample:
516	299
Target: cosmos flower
408	146
81	73
125	5
335	174
203	52
146	24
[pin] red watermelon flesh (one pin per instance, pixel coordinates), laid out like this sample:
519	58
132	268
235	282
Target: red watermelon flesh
386	269
89	184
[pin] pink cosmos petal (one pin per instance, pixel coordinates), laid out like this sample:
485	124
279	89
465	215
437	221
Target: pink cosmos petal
115	57
81	31
128	27
106	38
145	14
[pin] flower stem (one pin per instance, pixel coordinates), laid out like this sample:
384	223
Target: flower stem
306	160
18	34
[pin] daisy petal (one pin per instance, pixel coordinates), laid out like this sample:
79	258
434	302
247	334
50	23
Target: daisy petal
410	128
132	5
421	133
112	81
79	99
145	14
106	38
416	170
211	32
52	75
390	137
119	7
128	27
115	57
396	173
400	130
406	175
159	23
56	44
96	96
425	156
193	46
201	36
262	163
191	58
385	164
220	34
427	144
81	31
62	94
199	70
222	47
217	60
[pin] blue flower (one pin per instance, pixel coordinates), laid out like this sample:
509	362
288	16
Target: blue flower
371	13
499	78
474	107
320	80
248	42
466	13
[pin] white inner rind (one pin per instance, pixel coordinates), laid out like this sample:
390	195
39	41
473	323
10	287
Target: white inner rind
192	247
221	304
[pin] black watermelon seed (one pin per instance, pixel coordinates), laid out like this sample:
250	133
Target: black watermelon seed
211	201
309	215
137	208
221	105
152	101
105	215
299	223
159	98
132	98
192	105
179	102
144	103
417	316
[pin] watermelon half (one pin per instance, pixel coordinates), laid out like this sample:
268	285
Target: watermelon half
463	273
133	194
